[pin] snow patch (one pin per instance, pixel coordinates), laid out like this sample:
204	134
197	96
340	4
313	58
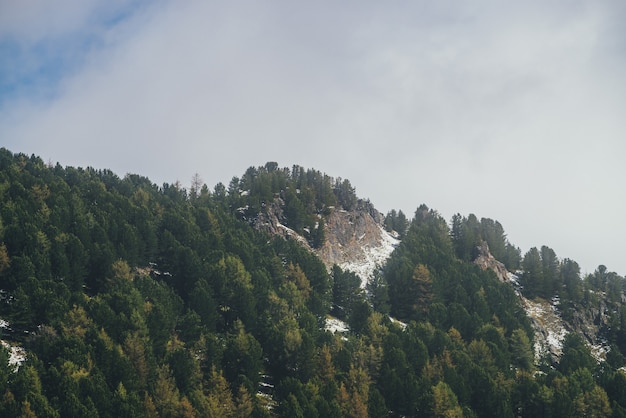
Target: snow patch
599	351
336	325
293	234
373	257
17	354
402	325
549	327
514	280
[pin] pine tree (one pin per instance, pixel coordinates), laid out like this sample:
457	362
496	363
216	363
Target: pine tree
532	279
243	404
378	292
445	403
521	350
5	261
423	289
220	397
166	394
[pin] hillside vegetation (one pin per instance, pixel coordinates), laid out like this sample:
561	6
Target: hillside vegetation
132	299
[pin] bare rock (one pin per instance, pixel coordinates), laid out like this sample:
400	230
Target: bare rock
350	233
486	261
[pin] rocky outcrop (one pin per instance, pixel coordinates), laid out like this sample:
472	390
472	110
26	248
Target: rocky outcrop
348	232
486	261
549	327
272	219
590	322
546	318
355	239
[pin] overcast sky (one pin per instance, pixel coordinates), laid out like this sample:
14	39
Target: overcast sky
514	111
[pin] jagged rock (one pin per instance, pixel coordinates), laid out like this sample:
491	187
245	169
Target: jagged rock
272	219
487	261
590	322
355	239
349	233
549	325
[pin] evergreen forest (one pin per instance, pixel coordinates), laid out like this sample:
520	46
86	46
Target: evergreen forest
137	300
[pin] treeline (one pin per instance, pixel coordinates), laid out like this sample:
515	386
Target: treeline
491	370
468	233
542	274
138	300
598	296
303	196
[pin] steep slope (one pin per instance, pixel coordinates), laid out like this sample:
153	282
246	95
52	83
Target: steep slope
272	220
138	300
547	321
355	239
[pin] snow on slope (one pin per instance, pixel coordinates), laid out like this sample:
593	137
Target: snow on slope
550	328
373	257
17	354
336	325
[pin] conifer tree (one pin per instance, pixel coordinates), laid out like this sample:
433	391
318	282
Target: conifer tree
423	289
521	350
445	403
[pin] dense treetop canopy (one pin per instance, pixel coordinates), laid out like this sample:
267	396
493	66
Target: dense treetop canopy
133	299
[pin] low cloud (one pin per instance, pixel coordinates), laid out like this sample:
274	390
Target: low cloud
510	112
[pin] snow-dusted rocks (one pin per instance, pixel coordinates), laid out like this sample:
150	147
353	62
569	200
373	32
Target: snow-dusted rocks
372	257
17	354
335	325
550	329
356	240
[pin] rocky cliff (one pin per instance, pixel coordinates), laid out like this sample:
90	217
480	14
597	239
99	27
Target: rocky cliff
546	317
272	221
486	260
355	239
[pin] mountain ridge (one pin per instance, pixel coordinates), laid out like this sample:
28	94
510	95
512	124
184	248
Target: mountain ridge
132	299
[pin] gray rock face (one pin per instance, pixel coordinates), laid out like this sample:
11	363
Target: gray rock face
354	239
350	233
272	221
546	317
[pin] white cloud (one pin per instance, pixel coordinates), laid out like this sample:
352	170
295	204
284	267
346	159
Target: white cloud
509	111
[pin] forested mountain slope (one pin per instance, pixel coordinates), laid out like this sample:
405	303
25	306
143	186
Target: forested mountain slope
132	299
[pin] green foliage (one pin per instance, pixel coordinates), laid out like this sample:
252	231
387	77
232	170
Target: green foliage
521	350
396	221
542	276
138	300
469	233
346	292
378	292
576	355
